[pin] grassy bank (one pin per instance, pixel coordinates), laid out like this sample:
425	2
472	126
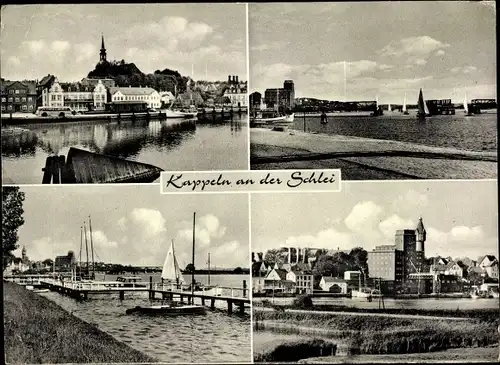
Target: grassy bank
371	335
36	330
485	314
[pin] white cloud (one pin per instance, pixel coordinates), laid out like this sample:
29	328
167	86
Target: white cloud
471	240
439	52
34	46
100	239
60	46
363	217
150	220
416	46
464	69
390	225
237	251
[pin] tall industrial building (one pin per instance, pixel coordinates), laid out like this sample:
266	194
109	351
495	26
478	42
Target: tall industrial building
396	262
284	97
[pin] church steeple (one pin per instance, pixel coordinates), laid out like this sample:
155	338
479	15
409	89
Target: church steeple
103	50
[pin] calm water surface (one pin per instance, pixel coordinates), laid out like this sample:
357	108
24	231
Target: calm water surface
424	303
476	133
216	337
173	145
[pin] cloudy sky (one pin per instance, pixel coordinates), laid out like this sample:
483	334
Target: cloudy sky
460	217
65	39
446	48
135	224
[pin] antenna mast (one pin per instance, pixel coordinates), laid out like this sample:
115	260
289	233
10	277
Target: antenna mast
81	244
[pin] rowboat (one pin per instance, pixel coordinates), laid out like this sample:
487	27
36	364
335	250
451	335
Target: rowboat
273	120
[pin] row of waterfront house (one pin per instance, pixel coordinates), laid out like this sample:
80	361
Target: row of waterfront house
100	95
399	268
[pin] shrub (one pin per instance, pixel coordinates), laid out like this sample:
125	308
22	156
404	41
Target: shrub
302	301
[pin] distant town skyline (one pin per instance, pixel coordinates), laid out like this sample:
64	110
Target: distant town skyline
135	225
64	40
459	216
383	49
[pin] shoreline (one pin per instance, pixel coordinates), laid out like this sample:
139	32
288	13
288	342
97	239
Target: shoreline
36	330
365	158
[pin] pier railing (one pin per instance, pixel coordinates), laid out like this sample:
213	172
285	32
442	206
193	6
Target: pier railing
225	291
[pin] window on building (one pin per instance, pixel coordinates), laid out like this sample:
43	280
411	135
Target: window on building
30	107
11	91
3	107
24	99
9	107
25	107
11	99
17	91
4	100
17	100
30	98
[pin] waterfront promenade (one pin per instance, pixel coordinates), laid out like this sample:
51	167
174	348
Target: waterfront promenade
365	158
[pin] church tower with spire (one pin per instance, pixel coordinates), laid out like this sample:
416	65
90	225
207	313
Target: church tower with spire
102	54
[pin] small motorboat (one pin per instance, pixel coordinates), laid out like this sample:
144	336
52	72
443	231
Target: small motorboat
171	309
40	291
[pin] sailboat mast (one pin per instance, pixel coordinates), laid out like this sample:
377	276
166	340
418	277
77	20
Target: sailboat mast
208	268
192	269
86	248
92	249
81	244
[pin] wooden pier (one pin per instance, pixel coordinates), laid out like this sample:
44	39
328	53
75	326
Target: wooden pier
236	298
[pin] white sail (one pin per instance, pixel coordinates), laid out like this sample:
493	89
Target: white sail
389	108
171	270
466	107
404	104
426	109
376	100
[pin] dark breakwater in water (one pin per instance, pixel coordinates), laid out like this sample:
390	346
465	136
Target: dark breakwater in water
477	133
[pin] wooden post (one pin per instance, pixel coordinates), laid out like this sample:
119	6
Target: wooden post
47	171
203	301
151	294
244	288
229	307
304	120
163	296
122	294
242	307
212	303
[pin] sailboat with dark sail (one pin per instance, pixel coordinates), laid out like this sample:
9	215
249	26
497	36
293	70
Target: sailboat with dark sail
423	111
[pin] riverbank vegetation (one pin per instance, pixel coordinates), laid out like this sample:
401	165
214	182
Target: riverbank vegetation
370	335
36	330
481	314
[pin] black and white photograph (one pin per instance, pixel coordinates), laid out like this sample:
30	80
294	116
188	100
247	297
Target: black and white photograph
383	272
233	182
106	274
383	90
118	93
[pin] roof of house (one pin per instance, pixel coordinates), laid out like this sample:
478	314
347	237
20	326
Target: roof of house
491	258
281	273
132	90
46	80
476	269
76	87
30	85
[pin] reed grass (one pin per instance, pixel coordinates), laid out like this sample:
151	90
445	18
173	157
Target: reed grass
377	335
36	330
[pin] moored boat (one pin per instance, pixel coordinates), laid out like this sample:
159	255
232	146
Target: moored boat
40	291
272	119
172	309
362	293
